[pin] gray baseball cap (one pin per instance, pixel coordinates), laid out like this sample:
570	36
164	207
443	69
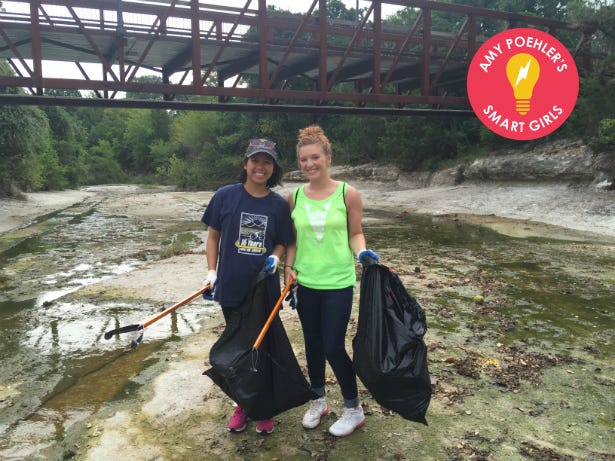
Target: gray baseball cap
261	145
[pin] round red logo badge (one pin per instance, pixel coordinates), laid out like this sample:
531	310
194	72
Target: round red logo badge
523	84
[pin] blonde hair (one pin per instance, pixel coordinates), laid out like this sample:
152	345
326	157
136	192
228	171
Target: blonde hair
313	134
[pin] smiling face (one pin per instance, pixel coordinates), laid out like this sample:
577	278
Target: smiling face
259	168
313	161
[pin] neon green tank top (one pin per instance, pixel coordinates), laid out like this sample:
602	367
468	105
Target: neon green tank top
324	259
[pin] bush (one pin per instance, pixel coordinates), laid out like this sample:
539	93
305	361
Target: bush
177	171
101	167
605	140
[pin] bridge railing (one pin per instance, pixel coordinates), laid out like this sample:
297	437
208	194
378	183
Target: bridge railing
254	53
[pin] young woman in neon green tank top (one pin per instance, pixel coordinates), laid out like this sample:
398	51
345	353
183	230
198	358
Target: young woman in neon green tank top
327	217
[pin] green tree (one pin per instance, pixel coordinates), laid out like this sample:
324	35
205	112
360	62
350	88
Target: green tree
63	93
88	117
101	166
336	9
357	139
196	159
597	87
138	135
27	158
111	128
25	149
145	79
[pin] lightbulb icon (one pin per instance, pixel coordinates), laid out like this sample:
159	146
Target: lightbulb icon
522	71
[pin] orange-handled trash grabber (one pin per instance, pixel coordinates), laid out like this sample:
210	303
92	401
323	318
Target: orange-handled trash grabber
273	313
154	318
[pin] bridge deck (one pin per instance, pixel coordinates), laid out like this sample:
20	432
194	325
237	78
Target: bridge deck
214	50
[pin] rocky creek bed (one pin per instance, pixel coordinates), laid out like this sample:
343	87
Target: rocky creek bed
520	315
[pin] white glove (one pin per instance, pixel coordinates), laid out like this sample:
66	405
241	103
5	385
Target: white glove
210	281
211	278
272	264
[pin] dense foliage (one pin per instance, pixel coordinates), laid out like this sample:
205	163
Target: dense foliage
61	147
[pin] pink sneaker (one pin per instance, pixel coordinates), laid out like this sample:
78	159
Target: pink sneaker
264	426
238	421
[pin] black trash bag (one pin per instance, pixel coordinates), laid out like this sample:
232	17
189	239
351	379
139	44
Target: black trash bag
389	353
263	382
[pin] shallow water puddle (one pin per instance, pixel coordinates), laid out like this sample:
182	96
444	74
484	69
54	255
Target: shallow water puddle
57	368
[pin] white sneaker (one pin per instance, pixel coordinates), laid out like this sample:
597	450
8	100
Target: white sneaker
318	409
351	419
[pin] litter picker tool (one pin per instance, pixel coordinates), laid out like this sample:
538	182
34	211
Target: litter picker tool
273	313
141	326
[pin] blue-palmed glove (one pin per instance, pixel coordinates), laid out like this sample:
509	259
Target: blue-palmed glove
210	281
367	257
271	264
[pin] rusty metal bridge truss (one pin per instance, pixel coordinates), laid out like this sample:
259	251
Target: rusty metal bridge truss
251	58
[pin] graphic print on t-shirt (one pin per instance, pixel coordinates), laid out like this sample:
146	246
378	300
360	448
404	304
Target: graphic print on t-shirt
317	218
252	231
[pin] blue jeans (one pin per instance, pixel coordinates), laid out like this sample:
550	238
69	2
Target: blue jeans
324	316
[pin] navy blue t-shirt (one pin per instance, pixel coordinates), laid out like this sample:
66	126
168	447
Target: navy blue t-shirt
250	227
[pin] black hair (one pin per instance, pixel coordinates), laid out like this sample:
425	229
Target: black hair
274	180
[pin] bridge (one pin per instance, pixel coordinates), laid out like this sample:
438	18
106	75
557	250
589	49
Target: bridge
252	58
